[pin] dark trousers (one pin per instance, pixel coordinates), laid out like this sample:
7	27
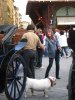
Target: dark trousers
29	57
39	56
49	67
57	62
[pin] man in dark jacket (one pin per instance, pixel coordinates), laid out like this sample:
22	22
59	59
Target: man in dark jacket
39	50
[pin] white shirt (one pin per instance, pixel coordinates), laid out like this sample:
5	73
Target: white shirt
44	40
66	34
63	41
57	35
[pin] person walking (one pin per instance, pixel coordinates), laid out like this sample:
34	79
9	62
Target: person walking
63	44
39	50
30	50
58	52
51	45
57	33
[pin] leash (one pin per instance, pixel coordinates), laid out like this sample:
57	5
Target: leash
50	81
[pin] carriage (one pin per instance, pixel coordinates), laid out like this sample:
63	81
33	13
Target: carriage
12	64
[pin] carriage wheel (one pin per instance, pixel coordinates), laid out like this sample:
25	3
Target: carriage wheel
15	77
71	83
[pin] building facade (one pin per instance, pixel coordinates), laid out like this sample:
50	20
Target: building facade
1	13
17	16
52	13
9	14
7	11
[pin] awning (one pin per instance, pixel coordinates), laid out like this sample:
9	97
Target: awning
50	0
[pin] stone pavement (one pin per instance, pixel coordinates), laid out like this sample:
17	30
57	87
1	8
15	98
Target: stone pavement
57	92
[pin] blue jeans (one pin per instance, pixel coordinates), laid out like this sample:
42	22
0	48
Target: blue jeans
64	50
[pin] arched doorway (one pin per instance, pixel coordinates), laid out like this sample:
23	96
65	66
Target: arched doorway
65	17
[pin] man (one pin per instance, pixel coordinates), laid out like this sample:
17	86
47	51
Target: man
39	50
57	56
30	49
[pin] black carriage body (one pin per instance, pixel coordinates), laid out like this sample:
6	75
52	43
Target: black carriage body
71	79
7	32
12	64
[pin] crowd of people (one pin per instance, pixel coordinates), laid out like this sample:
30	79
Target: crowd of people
52	44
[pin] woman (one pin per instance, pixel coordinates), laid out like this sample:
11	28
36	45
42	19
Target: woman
51	45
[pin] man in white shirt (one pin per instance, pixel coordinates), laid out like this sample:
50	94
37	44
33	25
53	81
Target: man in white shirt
63	44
